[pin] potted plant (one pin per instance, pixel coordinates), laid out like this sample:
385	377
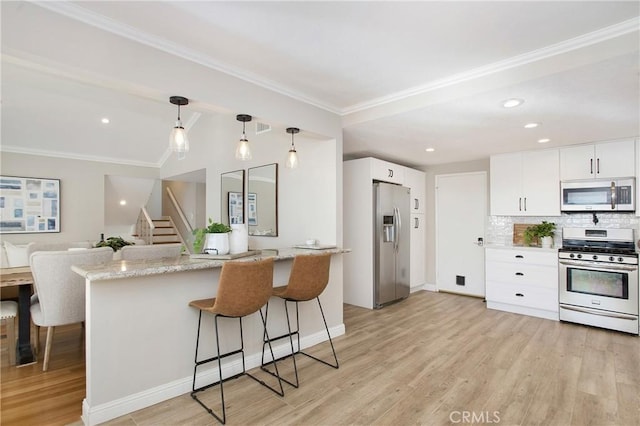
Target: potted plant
116	243
213	239
541	233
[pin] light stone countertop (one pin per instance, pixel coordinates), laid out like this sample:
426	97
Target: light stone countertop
514	247
138	268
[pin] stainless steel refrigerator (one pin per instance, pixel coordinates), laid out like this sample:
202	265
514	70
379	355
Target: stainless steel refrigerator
391	245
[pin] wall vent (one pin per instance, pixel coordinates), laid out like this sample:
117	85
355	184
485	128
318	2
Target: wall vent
262	128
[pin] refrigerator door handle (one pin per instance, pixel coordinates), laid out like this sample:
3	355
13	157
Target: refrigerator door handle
398	226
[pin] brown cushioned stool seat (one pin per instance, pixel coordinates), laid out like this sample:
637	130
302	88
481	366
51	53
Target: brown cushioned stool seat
243	289
308	279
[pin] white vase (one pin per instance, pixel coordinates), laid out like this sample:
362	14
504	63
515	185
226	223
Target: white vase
239	238
216	244
547	242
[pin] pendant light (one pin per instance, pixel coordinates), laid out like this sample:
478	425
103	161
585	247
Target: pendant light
178	140
243	152
292	157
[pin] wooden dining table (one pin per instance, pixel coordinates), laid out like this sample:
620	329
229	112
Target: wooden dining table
21	277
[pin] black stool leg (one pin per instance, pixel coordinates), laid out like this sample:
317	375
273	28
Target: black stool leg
277	374
268	341
336	365
219	357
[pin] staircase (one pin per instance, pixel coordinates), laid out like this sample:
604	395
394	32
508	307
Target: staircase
164	232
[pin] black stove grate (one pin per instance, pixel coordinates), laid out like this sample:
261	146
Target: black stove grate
609	247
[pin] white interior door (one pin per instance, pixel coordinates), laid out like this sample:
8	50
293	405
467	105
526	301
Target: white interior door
461	211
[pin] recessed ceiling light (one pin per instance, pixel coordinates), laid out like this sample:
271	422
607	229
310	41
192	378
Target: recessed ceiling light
531	125
123	202
544	140
105	120
430	149
513	102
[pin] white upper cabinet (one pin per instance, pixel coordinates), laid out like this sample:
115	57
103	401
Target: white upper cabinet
387	172
525	184
603	160
416	181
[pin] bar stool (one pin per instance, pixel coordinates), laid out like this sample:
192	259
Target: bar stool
244	288
8	314
308	279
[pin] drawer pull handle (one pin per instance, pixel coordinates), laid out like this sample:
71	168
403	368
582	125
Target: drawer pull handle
520	274
519	294
519	256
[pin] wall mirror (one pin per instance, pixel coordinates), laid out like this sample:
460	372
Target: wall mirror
232	197
262	201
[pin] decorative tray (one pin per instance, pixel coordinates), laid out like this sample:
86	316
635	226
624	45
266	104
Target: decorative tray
315	247
224	256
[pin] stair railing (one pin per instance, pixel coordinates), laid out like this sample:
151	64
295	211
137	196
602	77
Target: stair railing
145	226
182	226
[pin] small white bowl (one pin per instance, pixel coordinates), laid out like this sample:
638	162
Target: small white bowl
311	242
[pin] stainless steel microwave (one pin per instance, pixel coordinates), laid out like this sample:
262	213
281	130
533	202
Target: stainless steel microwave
600	195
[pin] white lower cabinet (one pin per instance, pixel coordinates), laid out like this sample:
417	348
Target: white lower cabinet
522	280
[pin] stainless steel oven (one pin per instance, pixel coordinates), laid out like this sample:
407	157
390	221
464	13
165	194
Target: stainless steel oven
598	282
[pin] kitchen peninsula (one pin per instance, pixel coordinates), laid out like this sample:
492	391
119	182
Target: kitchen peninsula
141	333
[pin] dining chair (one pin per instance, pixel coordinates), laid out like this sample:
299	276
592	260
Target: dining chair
61	292
8	314
308	278
243	289
154	251
48	246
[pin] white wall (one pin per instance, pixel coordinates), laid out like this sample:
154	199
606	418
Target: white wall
307	196
120	219
82	192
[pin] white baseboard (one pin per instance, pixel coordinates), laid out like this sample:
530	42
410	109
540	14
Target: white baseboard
427	287
430	287
110	410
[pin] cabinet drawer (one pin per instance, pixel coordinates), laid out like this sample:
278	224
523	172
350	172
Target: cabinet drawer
530	257
523	295
534	275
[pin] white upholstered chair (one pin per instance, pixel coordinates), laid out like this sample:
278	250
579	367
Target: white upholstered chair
33	247
155	251
61	292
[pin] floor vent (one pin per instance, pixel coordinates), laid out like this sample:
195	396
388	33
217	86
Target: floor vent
262	128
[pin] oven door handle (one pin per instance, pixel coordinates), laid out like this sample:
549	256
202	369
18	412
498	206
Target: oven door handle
601	313
599	265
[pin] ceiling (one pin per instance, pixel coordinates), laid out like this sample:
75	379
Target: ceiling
404	76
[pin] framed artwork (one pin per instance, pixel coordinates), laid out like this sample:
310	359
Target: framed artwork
29	205
252	208
236	208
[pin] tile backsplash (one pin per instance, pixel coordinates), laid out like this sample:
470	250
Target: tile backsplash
499	229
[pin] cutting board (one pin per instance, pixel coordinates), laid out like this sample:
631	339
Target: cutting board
518	233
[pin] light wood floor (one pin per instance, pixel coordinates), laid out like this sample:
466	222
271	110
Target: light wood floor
431	359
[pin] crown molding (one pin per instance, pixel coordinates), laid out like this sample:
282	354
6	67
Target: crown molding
76	156
88	17
83	15
585	40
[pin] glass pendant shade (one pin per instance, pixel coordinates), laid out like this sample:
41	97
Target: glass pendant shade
243	151
179	142
292	159
292	156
